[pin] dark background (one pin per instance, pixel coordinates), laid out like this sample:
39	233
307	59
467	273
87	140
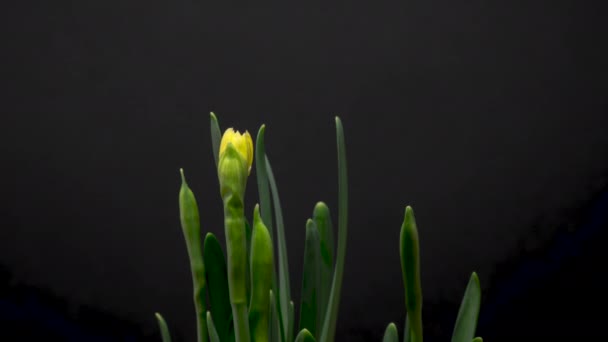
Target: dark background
489	118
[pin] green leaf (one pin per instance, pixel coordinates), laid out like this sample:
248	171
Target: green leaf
391	334
164	329
322	220
274	324
305	336
266	211
217	285
290	323
466	322
407	332
216	137
410	268
213	335
261	279
284	288
262	179
331	317
191	227
478	339
310	280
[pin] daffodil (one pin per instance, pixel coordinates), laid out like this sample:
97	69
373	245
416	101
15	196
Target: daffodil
242	143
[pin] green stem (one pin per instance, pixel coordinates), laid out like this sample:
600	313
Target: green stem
236	250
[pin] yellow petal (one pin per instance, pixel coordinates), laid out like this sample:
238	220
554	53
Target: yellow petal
249	143
242	143
226	138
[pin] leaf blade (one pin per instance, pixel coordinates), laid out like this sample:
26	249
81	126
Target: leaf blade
283	263
391	334
466	322
164	329
305	336
309	308
331	317
217	281
213	335
322	219
216	136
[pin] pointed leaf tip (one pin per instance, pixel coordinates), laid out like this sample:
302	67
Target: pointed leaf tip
256	214
409	216
181	172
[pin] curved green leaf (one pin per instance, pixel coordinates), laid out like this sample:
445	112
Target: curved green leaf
331	316
284	287
164	329
266	211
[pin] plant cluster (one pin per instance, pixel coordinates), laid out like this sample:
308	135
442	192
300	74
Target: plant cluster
244	294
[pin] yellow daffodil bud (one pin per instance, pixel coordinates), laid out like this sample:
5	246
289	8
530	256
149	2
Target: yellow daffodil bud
242	143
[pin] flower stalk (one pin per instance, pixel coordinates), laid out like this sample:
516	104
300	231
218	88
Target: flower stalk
235	159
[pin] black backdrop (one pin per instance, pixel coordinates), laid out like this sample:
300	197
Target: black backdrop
489	118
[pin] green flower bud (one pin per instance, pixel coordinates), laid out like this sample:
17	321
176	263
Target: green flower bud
232	173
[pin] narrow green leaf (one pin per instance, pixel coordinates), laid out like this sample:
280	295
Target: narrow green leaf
283	281
466	322
275	333
391	334
305	336
290	324
164	329
262	179
261	279
478	339
216	137
331	317
410	268
213	335
191	227
322	220
266	211
217	285
310	280
407	332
